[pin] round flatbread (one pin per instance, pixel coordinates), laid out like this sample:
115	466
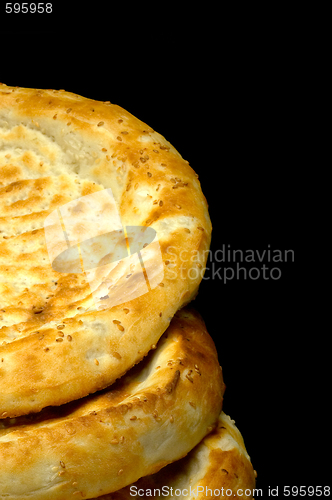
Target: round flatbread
218	467
104	235
152	416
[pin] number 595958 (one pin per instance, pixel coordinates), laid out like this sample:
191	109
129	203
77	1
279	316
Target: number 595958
28	8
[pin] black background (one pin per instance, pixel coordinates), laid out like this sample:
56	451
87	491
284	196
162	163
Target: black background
224	89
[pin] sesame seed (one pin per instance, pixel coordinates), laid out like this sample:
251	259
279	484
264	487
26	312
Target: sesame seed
68	110
192	404
189	377
115	441
70	430
104	149
100	124
171	419
59	340
116	355
161	284
116	321
55	116
62	464
119	138
46	349
96	362
160	314
149	174
120	471
69	338
161	203
153	346
133	417
120	327
4	414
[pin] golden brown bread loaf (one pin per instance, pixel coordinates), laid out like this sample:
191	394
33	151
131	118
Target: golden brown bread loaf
55	148
152	416
218	467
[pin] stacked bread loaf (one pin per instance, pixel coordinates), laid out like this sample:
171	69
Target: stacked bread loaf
110	385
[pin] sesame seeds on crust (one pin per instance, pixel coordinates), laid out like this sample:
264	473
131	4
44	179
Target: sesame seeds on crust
125	426
59	147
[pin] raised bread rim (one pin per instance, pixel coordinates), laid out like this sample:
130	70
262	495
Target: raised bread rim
218	467
153	416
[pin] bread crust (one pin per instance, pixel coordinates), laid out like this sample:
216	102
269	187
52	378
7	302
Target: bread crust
154	415
218	467
56	147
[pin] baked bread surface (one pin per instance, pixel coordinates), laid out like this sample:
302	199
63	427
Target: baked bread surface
152	416
56	147
218	467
